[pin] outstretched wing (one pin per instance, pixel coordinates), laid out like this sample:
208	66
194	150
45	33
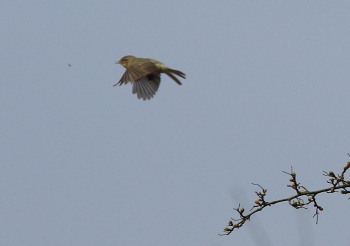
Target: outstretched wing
137	72
146	87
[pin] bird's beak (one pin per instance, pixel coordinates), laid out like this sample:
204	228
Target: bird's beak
117	62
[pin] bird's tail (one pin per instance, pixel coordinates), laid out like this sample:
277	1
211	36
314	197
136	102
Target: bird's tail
171	73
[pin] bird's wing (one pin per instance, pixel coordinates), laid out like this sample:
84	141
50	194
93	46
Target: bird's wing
137	72
146	87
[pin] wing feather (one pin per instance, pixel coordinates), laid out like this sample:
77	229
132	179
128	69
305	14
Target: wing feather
146	87
137	72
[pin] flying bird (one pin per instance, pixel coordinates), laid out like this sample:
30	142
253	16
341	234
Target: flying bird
144	74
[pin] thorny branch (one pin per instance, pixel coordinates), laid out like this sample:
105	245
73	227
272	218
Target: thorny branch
301	199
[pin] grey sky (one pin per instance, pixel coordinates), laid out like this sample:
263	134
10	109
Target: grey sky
85	163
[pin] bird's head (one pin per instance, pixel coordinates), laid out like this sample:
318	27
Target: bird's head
125	61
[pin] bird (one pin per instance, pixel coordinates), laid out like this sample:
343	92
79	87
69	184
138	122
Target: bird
144	75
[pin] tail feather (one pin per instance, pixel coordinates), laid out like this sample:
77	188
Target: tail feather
174	78
178	73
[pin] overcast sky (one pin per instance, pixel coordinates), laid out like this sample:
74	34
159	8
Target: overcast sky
84	163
